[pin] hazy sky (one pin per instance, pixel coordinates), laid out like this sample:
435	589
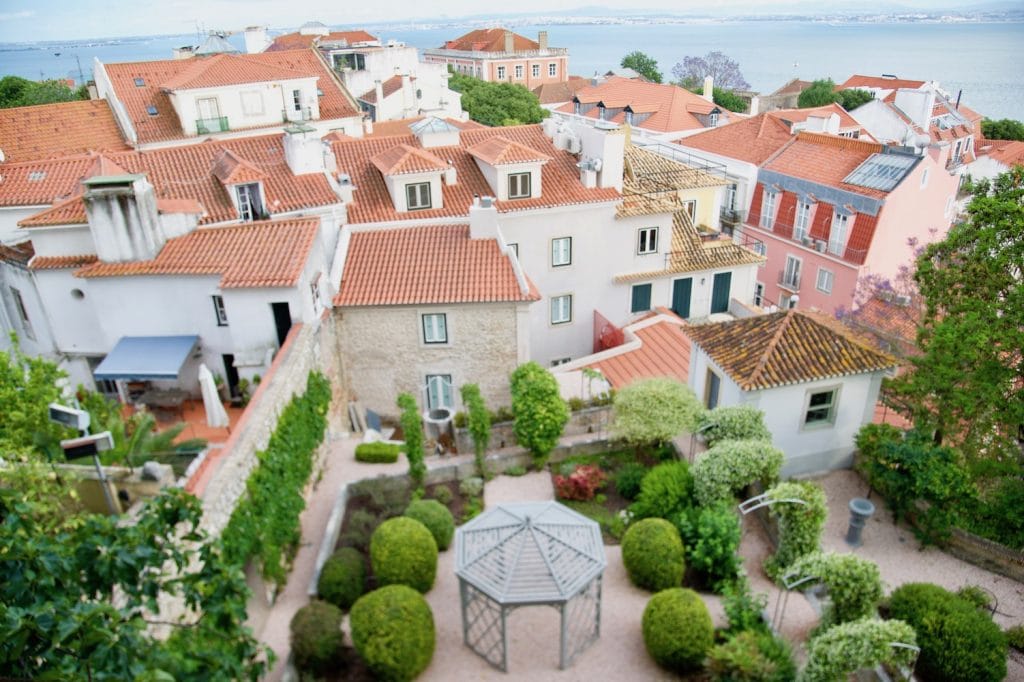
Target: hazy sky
26	20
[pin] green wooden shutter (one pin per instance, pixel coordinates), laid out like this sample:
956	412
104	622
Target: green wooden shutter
681	291
720	293
641	298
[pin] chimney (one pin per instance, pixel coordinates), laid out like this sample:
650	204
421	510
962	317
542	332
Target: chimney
256	39
450	176
510	44
345	188
588	174
755	105
305	152
709	88
123	218
483	219
542	39
378	89
367	125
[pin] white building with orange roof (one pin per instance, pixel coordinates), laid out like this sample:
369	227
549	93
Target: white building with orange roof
497	55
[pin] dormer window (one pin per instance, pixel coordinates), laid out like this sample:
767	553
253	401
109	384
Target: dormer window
629	118
576	108
600	112
250	201
519	186
151	110
417	196
713	119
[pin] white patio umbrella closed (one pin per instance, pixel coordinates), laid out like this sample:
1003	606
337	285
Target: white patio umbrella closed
215	414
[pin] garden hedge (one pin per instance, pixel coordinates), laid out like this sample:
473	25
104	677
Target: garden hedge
666	490
317	639
393	631
343	578
958	642
403	552
677	629
734	422
653	555
436	517
378	452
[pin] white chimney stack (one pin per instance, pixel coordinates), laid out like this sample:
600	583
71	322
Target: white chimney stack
123	218
450	175
305	152
256	39
755	105
709	88
483	219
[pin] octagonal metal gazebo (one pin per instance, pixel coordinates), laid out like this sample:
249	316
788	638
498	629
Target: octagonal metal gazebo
529	554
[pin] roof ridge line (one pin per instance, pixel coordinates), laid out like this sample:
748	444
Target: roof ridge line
770	348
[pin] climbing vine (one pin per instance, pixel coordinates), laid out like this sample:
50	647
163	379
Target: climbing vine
800	523
854	585
849	647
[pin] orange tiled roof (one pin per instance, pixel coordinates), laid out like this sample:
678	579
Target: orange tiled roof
179	206
61	262
858	81
401	127
297	41
372	202
436	264
48	130
389	87
501	151
551	93
17	254
753	140
673	107
664	352
785	348
1008	153
229	68
489	40
793	87
262	254
68	212
826	159
405	159
895	321
232	170
184	172
791	116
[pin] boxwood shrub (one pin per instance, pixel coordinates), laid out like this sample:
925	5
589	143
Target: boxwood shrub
403	552
629	478
436	517
317	639
343	578
677	629
752	655
958	642
664	491
653	555
378	452
393	631
734	422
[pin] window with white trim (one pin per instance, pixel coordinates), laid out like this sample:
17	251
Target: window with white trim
552	69
791	275
837	235
561	251
250	201
220	311
561	309
826	278
501	73
713	119
690	206
820	408
19	305
758	293
730	197
519	72
535	70
439	391
435	328
560	361
518	185
515	248
647	240
576	108
768	210
760	248
803	220
417	196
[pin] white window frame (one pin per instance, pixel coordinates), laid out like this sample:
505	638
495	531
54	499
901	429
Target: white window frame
761	249
560	361
297	100
561	252
839	233
759	294
246	210
713	119
535	70
19	306
519	72
802	226
514	246
646	241
768	210
690	206
730	196
561	309
438	382
434	327
415	190
825	281
501	73
553	69
220	312
796	270
520	185
830	407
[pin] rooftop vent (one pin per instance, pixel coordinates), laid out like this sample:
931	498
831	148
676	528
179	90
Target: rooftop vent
140	82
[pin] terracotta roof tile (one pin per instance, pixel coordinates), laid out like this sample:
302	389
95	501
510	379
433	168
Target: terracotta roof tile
793	87
489	40
48	130
179	206
858	81
673	107
826	159
564	91
791	116
227	69
223	69
296	40
753	140
404	159
436	264
372	202
785	348
231	170
1008	153
501	151
401	127
388	87
67	212
664	352
263	254
894	322
61	262
17	254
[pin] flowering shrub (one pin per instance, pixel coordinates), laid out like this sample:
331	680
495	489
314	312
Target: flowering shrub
854	585
581	484
800	523
653	411
847	648
734	422
731	465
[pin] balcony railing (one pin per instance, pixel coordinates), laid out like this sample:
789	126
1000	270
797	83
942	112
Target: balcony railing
733	216
218	124
789	280
782	230
303	114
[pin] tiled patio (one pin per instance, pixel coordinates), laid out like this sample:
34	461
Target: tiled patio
194	415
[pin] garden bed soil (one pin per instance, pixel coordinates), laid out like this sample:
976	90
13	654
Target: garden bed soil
353	671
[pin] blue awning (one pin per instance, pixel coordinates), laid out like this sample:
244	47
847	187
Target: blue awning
146	357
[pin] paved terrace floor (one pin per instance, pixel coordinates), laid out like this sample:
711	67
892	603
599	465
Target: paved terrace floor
619	654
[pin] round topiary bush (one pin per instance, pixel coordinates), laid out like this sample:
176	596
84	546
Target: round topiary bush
958	642
436	517
343	578
393	631
403	552
653	555
317	638
664	491
677	629
629	478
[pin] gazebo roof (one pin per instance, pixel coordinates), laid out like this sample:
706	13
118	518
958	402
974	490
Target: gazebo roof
529	552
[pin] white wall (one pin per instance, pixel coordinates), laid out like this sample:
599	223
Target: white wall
72	240
10	233
396	187
75	319
41	340
274	98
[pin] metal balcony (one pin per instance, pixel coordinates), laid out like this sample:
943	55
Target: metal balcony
789	281
218	124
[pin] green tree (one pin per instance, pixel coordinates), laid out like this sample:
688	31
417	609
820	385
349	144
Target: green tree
964	386
478	422
1003	129
497	104
540	412
650	412
412	430
727	99
853	98
135	437
643	64
27	386
20	92
821	92
76	601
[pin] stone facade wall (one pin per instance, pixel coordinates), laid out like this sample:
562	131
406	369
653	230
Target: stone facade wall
383	350
596	420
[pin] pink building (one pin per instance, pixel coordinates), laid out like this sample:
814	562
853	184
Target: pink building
499	55
828	210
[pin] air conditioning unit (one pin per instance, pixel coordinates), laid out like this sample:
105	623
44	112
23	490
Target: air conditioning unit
806	241
903	300
819	245
573	144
